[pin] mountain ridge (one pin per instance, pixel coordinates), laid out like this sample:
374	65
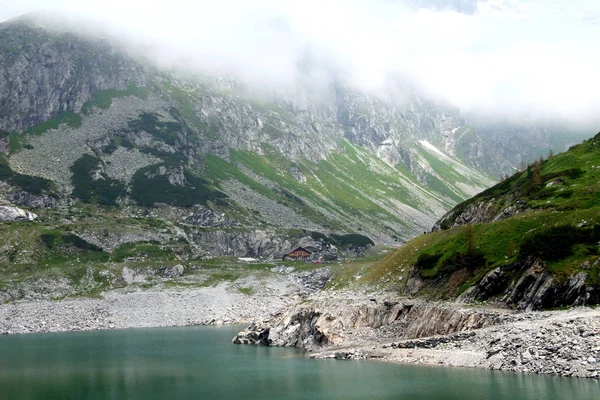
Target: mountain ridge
139	113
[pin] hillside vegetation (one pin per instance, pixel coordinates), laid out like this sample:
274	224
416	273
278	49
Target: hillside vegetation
525	241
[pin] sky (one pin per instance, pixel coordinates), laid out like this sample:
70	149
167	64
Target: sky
537	58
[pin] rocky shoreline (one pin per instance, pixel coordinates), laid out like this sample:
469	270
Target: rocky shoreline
244	300
340	325
564	343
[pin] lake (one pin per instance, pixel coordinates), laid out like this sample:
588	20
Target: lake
201	363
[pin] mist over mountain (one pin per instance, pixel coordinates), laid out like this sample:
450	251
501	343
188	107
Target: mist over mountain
528	59
261	124
221	167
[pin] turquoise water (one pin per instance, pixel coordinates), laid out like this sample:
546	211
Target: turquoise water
201	363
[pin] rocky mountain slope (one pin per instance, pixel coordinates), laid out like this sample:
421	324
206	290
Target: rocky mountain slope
86	125
508	145
530	242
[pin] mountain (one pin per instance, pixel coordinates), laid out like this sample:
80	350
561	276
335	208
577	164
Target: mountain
117	151
529	242
505	145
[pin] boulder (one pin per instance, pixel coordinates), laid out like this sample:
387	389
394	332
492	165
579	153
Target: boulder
8	213
174	271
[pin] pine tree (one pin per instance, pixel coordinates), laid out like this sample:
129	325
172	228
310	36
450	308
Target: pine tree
470	239
537	170
511	249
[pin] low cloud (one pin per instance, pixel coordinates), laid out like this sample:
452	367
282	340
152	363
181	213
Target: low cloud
529	58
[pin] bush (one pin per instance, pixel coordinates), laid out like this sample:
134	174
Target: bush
169	132
55	239
557	242
101	191
348	241
65	117
458	261
31	184
427	261
149	191
352	240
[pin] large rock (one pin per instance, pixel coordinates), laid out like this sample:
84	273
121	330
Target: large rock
31	200
174	271
8	213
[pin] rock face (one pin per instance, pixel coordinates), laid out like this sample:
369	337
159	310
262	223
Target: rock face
556	343
535	289
30	200
32	74
480	212
8	213
338	321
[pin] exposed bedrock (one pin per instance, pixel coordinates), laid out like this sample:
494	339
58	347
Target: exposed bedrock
335	321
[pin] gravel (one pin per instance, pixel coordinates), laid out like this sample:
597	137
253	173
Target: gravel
135	308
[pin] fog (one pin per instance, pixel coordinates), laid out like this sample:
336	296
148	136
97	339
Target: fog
502	58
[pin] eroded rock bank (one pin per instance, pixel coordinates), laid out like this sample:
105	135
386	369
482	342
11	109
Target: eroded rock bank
338	326
565	343
348	320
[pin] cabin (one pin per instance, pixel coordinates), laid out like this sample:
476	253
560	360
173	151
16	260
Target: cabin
297	254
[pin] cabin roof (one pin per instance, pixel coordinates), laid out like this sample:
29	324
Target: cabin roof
296	249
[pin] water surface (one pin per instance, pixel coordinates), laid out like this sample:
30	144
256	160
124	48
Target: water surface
201	363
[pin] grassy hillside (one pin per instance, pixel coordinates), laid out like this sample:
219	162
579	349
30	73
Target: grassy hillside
555	220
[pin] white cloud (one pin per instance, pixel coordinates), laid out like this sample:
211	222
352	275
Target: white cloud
531	57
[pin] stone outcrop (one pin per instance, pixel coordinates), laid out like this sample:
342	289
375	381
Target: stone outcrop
174	271
27	199
563	343
479	212
336	321
533	289
8	213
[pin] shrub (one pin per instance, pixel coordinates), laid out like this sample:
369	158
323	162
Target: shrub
427	261
101	191
557	242
148	191
169	132
352	240
65	117
56	238
31	184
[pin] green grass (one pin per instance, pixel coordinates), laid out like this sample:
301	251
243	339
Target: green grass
246	290
352	183
66	117
149	251
103	99
346	180
563	231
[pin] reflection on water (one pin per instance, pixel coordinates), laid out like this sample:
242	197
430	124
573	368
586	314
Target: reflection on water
201	363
